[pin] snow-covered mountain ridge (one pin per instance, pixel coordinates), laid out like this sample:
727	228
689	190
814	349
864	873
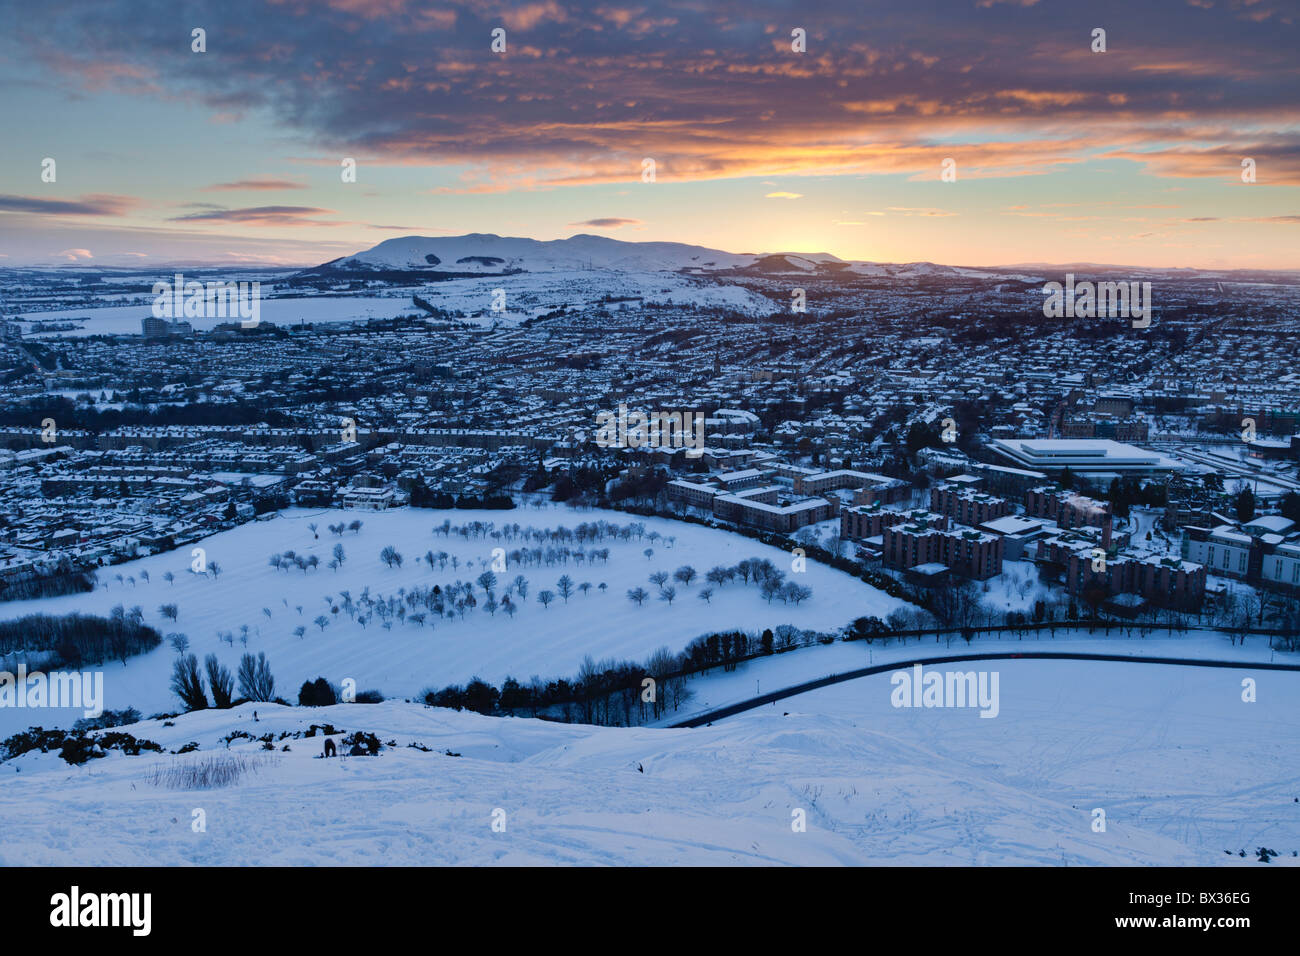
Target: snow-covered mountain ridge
483	254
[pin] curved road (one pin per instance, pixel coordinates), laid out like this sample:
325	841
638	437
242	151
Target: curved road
718	713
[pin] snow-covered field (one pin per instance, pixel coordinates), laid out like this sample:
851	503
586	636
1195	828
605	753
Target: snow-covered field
401	661
1183	769
526	295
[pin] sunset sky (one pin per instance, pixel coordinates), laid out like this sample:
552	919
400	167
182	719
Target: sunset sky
1132	156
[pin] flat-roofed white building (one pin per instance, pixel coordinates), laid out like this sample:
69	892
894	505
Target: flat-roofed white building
1084	456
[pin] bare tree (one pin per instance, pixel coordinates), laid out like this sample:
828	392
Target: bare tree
220	681
255	680
187	684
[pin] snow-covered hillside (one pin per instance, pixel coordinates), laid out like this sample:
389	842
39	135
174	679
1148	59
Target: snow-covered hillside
1183	768
494	255
1172	751
412	655
482	253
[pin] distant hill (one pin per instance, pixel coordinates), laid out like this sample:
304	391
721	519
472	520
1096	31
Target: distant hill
481	254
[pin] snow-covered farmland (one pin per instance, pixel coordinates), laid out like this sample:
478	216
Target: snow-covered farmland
1183	768
403	659
526	295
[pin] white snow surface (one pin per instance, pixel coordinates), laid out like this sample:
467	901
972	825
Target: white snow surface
1184	769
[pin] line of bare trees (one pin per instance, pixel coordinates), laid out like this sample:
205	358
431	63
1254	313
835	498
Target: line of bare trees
624	693
256	682
761	572
75	639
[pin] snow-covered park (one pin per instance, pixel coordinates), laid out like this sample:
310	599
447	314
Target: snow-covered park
312	620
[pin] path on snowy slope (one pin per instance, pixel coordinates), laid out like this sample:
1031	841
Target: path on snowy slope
721	688
719	713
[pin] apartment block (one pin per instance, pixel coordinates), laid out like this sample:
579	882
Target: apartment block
1163	581
859	522
967	505
970	553
1067	508
873	487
